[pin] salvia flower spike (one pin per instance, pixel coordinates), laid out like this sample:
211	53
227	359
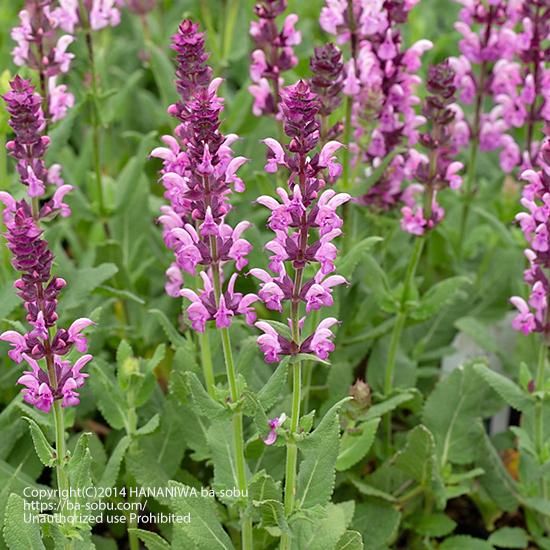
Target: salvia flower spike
535	223
305	223
37	287
436	170
274	54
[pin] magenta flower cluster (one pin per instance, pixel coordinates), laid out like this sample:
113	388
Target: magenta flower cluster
37	287
535	223
380	80
274	54
503	58
436	170
199	174
305	223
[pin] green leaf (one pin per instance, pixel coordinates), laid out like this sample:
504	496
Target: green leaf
220	441
150	426
18	533
110	474
370	491
418	460
347	265
84	281
203	403
479	333
263	487
496	480
273	515
510	392
463	542
378	522
79	467
322	527
163	73
320	451
350	540
441	294
151	540
281	328
274	388
380	409
450	413
46	453
176	339
109	397
509	537
205	529
433	525
353	446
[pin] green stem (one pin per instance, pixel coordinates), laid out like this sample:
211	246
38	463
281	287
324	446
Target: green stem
398	330
61	452
292	450
539	420
469	188
207	364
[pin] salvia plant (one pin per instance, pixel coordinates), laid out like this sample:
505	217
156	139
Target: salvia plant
275	274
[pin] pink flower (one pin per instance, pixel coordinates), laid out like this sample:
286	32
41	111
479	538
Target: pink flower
61	56
79	340
223	315
60	100
174	281
261	92
351	82
70	396
104	14
198	315
321	344
327	252
289	34
273	424
538	299
525	320
36	394
258	65
328	160
18	343
58	197
39	327
319	294
276	155
455	180
269	342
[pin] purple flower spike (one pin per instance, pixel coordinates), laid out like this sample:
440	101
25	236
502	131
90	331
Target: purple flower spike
535	223
199	174
37	287
273	424
305	223
274	54
437	170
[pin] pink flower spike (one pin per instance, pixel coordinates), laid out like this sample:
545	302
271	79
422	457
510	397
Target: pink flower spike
269	342
58	197
209	226
78	376
273	424
455	181
18	342
80	342
198	315
231	176
70	396
39	327
245	309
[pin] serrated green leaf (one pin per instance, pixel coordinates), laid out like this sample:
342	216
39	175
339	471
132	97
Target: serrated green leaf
18	533
205	529
496	480
378	522
110	400
263	487
110	474
510	392
320	452
380	409
202	402
274	388
46	453
509	537
353	447
176	339
151	540
440	295
273	515
450	413
350	540
79	467
151	425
